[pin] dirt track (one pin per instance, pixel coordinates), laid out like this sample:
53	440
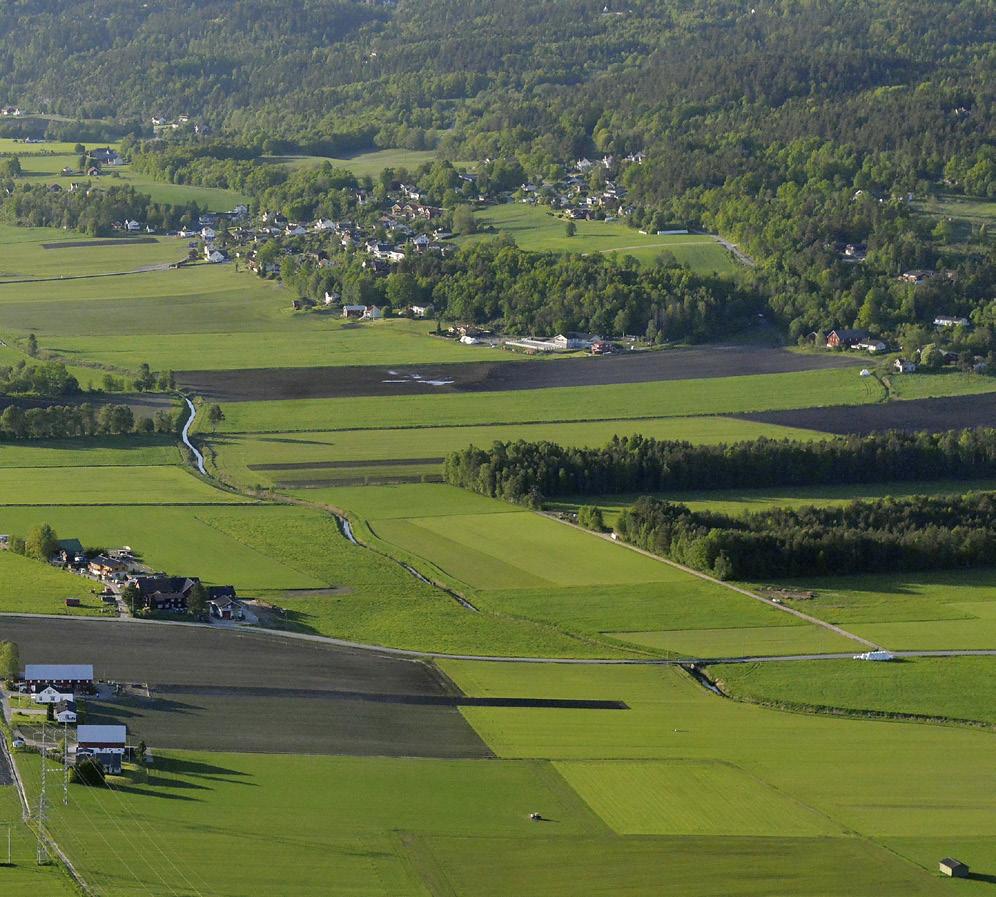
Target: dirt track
258	384
913	414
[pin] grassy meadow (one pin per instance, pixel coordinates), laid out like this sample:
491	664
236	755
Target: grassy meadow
368	164
683	779
955	688
537	228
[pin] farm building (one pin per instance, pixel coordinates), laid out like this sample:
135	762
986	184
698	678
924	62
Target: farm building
225	608
844	338
106	744
953	868
165	593
64	677
102	565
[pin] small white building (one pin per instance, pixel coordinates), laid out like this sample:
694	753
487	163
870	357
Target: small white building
132	226
373	313
902	366
208	233
949	321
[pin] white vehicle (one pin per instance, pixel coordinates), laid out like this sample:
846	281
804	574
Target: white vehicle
875	655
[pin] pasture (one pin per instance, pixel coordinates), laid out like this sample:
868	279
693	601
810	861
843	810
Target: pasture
131	485
536	228
25	878
949	688
368	164
202	316
44	163
745	501
307	458
522	565
28	586
100	451
60	259
921	610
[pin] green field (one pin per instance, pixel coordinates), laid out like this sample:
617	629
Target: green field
683	780
44	163
28	586
959	688
103	451
913	611
107	486
234	453
744	641
205	316
25	260
522	565
25	878
369	164
738	501
537	228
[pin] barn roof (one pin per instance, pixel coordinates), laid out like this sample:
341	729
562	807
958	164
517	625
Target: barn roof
58	672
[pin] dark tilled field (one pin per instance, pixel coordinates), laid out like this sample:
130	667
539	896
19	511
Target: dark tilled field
258	384
915	414
219	716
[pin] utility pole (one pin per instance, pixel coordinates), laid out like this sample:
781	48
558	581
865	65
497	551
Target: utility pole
65	764
42	853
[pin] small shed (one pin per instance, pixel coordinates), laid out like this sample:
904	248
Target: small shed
953	868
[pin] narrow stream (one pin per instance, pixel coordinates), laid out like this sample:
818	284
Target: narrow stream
185	436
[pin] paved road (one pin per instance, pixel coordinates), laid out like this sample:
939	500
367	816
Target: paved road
438	655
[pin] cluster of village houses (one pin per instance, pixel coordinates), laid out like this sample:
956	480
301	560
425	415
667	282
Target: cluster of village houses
851	338
60	685
157	592
578	196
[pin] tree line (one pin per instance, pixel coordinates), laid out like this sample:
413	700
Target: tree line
83	420
878	536
527	472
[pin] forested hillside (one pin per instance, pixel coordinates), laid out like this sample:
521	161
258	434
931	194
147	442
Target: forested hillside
794	129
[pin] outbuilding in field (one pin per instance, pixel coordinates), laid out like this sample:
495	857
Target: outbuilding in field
953	868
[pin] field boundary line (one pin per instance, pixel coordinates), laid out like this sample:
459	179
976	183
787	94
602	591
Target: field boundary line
414	654
838	630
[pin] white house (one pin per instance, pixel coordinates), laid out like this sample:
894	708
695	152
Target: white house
132	226
214	256
421	311
208	233
51	695
324	224
65	712
295	230
902	366
373	313
949	321
332	298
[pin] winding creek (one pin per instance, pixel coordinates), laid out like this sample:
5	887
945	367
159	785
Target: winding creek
185	436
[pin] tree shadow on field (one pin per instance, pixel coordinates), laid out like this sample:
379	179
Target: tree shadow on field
185	767
162	795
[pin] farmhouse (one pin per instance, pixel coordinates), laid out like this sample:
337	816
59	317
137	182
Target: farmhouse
51	695
65	712
64	677
214	256
106	744
102	565
165	593
953	868
902	366
843	338
354	311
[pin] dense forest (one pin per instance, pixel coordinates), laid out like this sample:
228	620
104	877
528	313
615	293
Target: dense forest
792	128
886	535
527	472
